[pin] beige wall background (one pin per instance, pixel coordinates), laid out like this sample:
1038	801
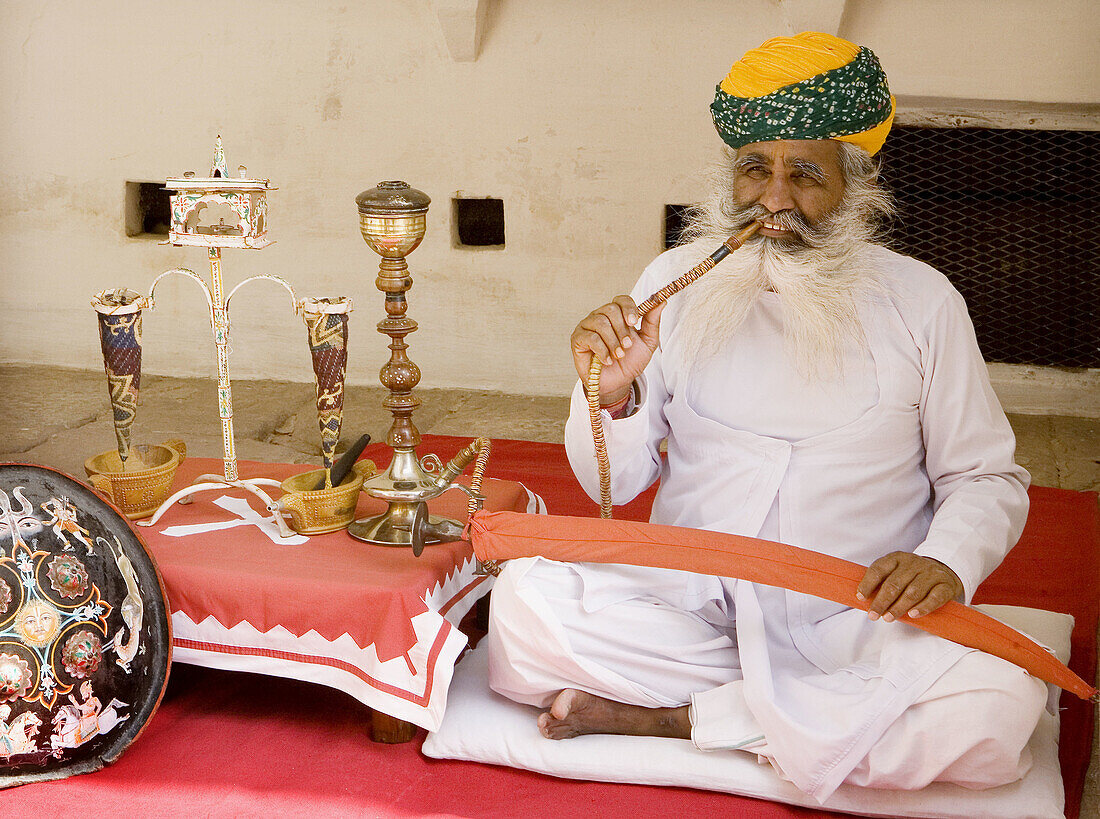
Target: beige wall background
584	117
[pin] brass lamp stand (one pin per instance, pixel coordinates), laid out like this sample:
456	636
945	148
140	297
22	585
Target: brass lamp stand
392	219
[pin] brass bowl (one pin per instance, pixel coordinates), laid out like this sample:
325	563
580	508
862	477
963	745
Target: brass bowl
317	511
140	492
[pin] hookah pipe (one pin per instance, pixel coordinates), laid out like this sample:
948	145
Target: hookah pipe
420	528
392	220
592	385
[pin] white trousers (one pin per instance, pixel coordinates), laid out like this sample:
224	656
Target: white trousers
971	727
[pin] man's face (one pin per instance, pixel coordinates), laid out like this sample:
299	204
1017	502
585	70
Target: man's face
799	175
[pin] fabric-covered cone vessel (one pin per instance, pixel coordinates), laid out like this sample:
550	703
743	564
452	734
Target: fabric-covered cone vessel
327	324
119	313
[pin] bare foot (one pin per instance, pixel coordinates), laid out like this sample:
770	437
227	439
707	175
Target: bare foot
577	712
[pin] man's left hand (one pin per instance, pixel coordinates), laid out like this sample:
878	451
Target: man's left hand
901	583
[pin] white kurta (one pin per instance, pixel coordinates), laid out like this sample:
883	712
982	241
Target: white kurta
909	451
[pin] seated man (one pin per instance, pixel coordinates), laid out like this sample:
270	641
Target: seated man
815	389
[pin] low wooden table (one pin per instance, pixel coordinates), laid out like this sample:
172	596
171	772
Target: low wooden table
373	621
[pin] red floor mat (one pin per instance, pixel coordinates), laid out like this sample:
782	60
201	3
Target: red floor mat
225	744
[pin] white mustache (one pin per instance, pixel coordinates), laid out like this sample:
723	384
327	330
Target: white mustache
788	220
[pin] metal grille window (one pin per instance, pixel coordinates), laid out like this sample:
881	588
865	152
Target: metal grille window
676	217
1009	217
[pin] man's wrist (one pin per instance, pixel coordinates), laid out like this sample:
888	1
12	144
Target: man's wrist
960	589
624	406
614	404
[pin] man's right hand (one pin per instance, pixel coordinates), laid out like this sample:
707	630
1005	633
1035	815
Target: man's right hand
608	332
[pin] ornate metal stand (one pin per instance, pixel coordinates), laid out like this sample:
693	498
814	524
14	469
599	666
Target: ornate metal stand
219	322
392	219
200	208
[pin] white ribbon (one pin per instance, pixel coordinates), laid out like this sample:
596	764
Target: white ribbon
246	516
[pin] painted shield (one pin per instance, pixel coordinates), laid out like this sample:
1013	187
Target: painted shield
85	641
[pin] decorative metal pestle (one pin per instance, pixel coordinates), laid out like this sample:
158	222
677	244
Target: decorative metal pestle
392	219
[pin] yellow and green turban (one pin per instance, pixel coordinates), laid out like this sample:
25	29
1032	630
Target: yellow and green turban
810	86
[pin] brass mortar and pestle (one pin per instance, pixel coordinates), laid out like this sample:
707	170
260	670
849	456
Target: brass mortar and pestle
137	490
324	500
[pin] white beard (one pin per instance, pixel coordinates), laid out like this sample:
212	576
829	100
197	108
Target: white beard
818	289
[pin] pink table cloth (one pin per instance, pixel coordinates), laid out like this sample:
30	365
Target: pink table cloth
373	621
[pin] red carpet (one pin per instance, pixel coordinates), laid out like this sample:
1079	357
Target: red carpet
225	744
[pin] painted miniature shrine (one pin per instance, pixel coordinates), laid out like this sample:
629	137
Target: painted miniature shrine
219	210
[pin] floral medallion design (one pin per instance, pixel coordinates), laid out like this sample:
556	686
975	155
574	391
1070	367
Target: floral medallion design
68	577
81	653
15	677
5	596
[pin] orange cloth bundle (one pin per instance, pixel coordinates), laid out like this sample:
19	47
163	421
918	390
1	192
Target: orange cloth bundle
506	535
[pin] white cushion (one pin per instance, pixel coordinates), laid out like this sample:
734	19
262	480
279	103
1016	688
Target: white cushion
481	726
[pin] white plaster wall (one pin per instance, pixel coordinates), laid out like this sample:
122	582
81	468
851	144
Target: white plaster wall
584	117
